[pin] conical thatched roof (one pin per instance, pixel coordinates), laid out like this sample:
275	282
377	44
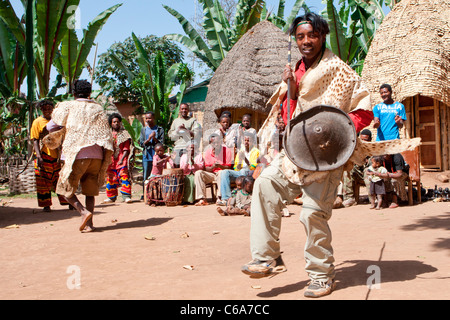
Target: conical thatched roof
251	71
411	51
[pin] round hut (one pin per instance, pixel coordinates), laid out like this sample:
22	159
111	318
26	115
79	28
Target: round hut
248	76
411	52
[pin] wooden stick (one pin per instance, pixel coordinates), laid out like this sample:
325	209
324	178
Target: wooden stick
289	88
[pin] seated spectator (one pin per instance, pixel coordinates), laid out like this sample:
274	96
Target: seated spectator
245	162
398	172
217	157
242	203
356	175
190	163
232	200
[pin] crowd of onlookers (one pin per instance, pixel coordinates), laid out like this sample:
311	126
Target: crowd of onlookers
229	159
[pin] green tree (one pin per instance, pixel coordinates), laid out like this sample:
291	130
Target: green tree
155	81
114	80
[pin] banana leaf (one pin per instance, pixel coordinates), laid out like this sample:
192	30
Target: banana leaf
89	36
196	43
337	37
294	12
51	27
9	17
215	29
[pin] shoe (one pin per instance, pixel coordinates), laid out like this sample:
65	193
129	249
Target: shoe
128	200
349	202
220	202
109	201
286	212
264	268
317	289
47	209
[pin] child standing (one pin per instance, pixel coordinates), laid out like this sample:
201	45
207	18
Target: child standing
242	201
160	160
377	187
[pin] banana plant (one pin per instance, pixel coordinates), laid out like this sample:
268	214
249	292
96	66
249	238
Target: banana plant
155	81
352	28
13	67
72	56
51	25
279	20
220	35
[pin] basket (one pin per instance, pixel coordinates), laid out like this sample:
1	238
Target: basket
22	183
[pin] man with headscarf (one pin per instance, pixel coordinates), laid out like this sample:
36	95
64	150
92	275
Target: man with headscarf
320	77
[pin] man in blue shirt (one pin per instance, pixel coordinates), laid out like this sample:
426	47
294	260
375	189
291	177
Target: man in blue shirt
389	116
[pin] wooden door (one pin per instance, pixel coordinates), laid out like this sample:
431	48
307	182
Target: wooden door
427	122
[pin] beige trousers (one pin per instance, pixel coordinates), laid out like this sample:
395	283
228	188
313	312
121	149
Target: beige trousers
202	178
269	191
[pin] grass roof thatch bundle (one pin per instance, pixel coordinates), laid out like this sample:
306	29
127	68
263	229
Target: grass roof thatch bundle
411	51
251	71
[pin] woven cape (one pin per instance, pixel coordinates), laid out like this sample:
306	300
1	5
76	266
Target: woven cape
329	81
86	124
122	136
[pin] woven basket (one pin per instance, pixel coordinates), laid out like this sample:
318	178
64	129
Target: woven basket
22	183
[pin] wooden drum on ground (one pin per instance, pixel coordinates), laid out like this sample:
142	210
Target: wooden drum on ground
172	185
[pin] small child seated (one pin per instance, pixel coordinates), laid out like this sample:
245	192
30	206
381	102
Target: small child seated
232	200
377	187
242	200
160	160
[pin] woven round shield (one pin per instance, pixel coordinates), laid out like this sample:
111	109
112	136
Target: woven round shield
322	138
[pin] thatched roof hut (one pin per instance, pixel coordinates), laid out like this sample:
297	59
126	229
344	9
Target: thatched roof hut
411	52
249	75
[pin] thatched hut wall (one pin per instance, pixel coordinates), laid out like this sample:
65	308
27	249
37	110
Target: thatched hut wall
411	52
249	75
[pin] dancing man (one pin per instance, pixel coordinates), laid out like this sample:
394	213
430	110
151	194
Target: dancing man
87	149
320	77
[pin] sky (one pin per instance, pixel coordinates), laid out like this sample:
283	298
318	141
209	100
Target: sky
145	17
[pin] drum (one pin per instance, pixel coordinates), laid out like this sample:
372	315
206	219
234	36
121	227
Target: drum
153	193
172	185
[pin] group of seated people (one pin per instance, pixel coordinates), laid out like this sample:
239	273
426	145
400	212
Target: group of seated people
383	176
231	161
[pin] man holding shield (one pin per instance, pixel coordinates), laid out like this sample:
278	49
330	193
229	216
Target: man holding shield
319	78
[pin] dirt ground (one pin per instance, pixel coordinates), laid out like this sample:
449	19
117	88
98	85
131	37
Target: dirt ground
191	253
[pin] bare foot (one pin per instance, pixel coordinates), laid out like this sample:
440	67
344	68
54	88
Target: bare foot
221	212
85	218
